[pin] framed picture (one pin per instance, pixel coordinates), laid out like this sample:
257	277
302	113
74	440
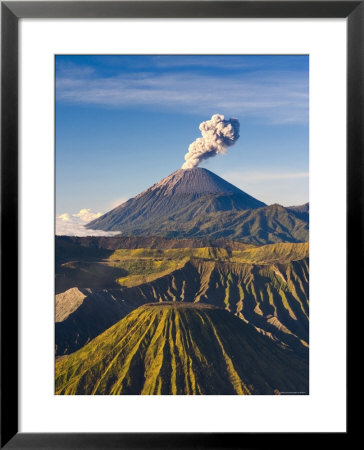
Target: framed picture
170	171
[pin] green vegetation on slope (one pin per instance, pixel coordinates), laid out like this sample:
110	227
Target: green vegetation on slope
174	253
272	297
267	254
282	252
180	349
201	218
266	286
146	265
83	314
132	267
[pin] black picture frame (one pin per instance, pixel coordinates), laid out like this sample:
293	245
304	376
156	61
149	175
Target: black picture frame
11	12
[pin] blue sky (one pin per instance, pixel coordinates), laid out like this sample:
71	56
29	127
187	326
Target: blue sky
125	122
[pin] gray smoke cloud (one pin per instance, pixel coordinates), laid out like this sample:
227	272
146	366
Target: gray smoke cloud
217	135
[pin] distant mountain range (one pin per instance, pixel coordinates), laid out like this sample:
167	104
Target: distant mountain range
196	203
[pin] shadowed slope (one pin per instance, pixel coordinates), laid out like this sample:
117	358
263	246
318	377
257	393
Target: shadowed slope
301	211
212	218
197	190
196	203
68	247
272	297
181	349
86	274
82	314
267	286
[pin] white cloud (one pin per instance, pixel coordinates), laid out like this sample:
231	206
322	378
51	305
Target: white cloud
65	217
74	224
85	215
275	97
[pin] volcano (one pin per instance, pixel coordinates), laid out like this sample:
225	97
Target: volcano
199	181
184	188
181	349
198	203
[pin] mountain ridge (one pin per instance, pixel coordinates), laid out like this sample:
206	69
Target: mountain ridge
169	349
267	286
196	203
194	181
177	191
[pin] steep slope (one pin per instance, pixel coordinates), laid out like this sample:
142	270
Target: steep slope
198	190
82	314
267	286
196	203
272	297
181	349
83	269
196	181
213	218
301	211
305	208
266	225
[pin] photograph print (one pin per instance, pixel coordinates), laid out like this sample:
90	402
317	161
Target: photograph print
182	225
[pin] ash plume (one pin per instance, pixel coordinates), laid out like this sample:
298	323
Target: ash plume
217	135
